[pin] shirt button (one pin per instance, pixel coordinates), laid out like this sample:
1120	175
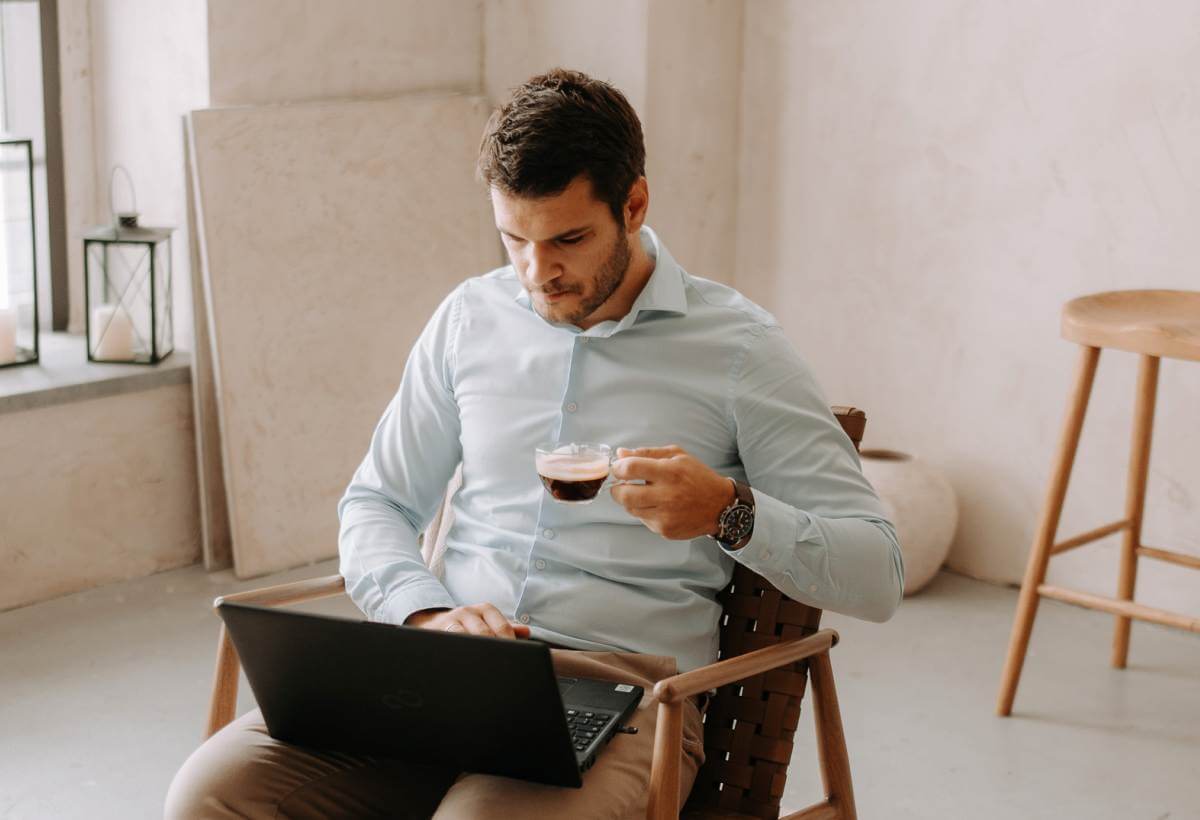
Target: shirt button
583	340
766	554
812	587
524	619
547	533
572	407
540	564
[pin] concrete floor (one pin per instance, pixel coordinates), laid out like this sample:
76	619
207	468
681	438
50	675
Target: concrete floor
103	694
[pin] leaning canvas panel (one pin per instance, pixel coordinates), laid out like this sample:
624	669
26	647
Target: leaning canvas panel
216	548
330	232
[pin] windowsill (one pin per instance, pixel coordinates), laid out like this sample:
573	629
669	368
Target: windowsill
63	375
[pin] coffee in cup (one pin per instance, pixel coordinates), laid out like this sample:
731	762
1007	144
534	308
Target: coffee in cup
573	473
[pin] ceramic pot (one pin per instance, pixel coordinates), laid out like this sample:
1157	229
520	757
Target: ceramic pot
921	503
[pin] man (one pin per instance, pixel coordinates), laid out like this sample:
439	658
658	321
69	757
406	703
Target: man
592	333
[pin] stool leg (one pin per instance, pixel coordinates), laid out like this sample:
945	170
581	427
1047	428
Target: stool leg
1039	553
1135	498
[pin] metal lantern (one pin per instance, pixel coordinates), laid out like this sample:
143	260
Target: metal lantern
18	256
127	291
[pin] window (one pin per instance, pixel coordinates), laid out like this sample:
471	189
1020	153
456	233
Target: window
27	34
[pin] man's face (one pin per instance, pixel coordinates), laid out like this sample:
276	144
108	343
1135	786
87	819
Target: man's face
567	249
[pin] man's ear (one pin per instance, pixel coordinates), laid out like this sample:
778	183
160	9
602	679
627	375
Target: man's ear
636	205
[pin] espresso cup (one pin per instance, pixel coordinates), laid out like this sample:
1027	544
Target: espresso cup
573	473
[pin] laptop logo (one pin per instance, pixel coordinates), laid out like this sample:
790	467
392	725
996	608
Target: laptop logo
403	699
624	687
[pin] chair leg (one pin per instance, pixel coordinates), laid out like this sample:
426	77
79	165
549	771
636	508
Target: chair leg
1039	553
225	685
831	739
1135	499
663	798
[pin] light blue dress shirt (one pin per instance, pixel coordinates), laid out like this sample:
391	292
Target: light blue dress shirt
693	363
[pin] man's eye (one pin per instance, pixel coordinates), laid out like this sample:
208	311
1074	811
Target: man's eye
574	240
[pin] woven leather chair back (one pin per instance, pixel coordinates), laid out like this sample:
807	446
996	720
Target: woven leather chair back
750	725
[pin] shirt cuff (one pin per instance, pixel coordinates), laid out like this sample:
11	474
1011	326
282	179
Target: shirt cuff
413	598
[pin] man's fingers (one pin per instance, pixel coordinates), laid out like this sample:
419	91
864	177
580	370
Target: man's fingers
636	497
650	452
473	623
480	619
499	625
634	468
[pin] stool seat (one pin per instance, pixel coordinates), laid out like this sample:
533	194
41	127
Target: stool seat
1163	323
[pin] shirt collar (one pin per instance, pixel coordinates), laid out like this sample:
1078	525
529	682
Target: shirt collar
663	291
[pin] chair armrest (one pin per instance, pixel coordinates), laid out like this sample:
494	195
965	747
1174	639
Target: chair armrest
293	593
678	687
663	795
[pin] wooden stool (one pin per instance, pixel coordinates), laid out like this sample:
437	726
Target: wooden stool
1154	324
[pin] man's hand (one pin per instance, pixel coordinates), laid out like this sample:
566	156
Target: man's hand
682	498
476	619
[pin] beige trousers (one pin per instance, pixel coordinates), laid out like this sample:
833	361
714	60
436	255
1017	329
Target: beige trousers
241	771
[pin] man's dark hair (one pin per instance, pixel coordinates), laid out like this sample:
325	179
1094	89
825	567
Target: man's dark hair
557	126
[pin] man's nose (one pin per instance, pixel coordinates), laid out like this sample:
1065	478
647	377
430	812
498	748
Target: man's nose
542	267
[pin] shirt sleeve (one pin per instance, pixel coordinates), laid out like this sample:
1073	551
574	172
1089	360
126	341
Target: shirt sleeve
821	534
397	488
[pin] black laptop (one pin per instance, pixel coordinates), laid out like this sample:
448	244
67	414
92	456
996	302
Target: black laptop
477	704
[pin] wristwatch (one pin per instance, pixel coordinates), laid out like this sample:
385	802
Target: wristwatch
735	525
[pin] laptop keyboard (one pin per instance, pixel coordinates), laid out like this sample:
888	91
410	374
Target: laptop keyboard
586	726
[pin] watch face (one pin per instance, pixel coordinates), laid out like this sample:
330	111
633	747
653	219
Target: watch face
736	523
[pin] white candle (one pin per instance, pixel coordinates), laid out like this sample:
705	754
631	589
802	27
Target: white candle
112	333
8	335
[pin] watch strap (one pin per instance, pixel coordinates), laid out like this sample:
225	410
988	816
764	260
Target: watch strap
744	494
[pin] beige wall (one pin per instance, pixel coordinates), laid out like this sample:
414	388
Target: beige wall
693	73
96	491
525	37
924	184
267	51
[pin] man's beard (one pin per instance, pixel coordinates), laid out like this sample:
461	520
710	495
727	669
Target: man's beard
608	279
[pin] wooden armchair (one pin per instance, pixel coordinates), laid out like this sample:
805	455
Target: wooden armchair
770	647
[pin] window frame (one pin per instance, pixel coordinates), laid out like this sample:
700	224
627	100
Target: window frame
60	294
